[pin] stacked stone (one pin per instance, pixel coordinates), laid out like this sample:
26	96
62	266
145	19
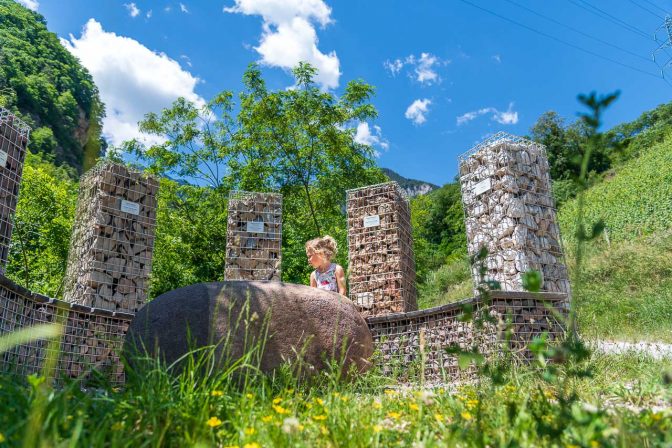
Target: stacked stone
254	236
13	142
416	346
381	262
110	257
92	339
509	208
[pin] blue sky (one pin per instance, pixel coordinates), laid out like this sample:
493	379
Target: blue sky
447	72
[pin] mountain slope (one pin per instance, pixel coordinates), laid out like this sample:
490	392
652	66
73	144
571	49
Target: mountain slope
412	187
47	87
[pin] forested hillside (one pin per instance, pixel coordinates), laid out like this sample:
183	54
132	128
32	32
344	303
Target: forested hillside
48	88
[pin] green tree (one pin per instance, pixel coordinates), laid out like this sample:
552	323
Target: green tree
298	141
42	226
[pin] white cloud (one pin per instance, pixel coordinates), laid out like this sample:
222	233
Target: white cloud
497	58
394	67
424	67
184	8
288	35
133	80
506	117
30	4
418	110
364	136
133	10
149	14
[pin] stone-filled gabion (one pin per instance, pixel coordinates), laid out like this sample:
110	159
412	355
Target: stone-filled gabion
509	209
112	241
381	262
254	236
92	338
13	143
416	346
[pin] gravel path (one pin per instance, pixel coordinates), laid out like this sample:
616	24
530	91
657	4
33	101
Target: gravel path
657	350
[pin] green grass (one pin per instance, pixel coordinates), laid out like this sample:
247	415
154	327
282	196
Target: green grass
634	202
627	290
449	283
616	407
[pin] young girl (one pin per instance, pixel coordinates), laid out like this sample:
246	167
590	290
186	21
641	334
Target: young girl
327	275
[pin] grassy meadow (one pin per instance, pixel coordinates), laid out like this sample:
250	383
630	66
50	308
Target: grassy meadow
624	402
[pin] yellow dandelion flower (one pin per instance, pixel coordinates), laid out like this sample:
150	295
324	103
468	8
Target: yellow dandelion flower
414	407
249	396
277	400
319	401
394	415
377	405
217	393
214	422
324	430
471	404
345	399
319	417
438	417
466	415
391	392
266	418
290	391
249	431
309	405
594	444
2	437
252	445
280	409
377	428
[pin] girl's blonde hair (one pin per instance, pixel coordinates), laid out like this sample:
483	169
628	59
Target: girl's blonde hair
325	245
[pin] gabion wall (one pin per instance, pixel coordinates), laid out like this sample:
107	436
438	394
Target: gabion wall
404	340
509	208
381	262
13	142
254	236
92	339
110	256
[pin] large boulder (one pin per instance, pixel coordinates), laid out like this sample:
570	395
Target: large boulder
235	315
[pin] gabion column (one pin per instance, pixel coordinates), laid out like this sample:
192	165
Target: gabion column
254	236
13	142
381	263
509	209
112	242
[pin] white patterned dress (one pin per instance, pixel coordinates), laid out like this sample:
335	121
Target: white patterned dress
327	280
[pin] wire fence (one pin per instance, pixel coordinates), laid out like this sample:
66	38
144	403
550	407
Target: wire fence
14	135
509	209
419	345
112	242
92	339
380	244
254	236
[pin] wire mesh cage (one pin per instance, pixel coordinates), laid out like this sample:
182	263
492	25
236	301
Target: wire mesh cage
380	245
254	236
509	209
110	257
91	339
13	143
415	346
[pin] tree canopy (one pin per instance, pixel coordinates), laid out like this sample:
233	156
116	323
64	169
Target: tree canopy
298	141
